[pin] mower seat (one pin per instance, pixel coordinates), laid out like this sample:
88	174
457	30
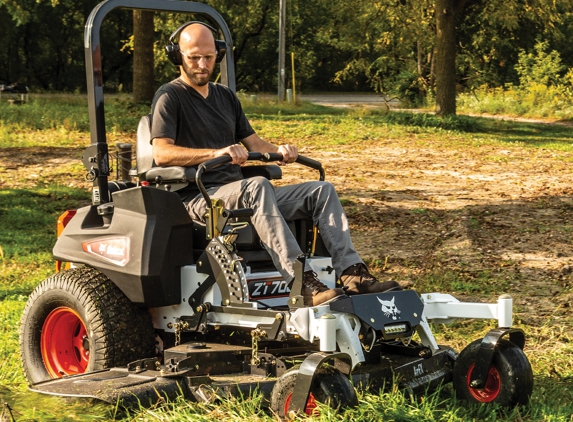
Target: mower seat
176	176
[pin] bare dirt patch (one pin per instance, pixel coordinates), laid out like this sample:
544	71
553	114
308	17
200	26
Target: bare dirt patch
498	220
24	167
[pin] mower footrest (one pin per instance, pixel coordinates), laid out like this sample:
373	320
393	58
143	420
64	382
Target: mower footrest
111	385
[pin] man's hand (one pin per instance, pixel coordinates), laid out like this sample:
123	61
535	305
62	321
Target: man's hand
238	154
289	152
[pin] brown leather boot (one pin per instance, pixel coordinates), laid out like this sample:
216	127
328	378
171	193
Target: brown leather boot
315	292
358	280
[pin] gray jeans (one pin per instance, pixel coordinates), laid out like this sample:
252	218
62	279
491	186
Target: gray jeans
273	206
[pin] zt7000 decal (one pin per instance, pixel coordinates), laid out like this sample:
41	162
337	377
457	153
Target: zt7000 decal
265	289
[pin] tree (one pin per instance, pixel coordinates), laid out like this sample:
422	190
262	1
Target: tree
445	65
143	69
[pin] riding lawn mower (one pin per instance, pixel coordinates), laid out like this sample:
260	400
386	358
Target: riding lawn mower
148	302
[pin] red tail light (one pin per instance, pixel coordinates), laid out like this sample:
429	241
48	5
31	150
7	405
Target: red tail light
63	221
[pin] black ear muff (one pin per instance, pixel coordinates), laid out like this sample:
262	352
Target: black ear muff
174	54
221	47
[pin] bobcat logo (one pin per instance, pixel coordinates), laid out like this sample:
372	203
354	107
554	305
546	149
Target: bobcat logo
389	309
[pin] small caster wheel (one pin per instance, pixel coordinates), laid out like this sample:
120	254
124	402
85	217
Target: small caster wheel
509	381
329	386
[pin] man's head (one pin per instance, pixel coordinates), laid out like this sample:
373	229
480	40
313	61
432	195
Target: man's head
198	54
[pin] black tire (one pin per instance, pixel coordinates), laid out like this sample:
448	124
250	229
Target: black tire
329	386
79	321
510	380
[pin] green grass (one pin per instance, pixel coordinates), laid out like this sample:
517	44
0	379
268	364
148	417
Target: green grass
533	100
63	120
460	281
27	234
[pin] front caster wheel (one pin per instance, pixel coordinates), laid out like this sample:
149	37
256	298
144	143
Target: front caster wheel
509	381
329	386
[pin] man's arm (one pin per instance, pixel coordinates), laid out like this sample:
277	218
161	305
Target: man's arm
166	153
256	144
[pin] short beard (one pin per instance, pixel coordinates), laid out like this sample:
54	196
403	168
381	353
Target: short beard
199	80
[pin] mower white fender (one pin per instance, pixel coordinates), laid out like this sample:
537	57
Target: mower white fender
312	323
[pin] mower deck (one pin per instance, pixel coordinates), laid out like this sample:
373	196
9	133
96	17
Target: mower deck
135	384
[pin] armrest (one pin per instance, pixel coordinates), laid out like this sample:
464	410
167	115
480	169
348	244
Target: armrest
171	174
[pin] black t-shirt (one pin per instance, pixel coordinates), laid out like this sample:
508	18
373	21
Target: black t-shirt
179	112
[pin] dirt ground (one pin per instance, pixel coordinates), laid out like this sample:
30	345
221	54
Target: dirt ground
499	220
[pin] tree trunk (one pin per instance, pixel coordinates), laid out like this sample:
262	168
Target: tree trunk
143	71
445	65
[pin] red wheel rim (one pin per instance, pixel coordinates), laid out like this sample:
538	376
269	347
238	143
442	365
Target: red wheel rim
308	409
64	343
491	389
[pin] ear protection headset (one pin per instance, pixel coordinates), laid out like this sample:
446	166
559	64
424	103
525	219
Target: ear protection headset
174	53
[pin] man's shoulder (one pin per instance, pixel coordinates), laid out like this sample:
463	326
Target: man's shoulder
173	86
222	89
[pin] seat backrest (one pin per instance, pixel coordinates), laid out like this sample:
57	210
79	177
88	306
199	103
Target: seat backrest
144	149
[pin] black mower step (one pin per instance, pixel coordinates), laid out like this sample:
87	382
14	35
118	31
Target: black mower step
111	385
131	388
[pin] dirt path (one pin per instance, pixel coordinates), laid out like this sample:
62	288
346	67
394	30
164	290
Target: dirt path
499	220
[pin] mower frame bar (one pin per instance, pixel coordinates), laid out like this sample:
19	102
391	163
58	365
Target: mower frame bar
444	308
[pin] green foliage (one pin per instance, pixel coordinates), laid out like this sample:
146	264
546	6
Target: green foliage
540	67
545	89
492	33
533	100
385	46
393	42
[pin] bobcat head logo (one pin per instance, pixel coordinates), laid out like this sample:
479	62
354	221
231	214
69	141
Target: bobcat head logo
389	309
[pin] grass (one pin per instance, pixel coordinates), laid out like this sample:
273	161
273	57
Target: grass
533	100
62	121
27	227
460	281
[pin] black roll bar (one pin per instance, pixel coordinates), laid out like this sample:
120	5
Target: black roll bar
94	72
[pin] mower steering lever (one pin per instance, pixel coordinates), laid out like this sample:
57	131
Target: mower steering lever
253	156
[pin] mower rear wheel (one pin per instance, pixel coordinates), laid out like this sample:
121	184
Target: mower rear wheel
509	381
329	386
78	321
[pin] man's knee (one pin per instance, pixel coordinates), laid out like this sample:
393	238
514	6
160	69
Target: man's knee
257	183
327	186
326	189
256	188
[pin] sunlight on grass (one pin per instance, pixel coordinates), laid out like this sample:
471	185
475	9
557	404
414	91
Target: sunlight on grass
46	121
10	364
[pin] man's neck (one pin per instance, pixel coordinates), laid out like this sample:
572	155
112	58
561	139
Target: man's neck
203	90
